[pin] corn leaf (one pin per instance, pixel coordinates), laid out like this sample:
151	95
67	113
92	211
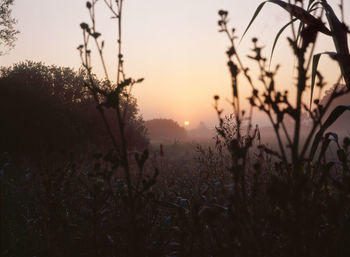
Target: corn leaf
296	11
303	15
278	35
256	13
335	114
340	39
315	61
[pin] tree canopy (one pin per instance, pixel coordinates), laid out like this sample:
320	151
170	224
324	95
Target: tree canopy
48	108
7	30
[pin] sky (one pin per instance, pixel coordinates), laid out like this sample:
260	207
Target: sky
174	45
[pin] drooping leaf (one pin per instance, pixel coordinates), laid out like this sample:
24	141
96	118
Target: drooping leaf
309	10
296	11
340	39
257	11
315	61
303	15
277	37
335	114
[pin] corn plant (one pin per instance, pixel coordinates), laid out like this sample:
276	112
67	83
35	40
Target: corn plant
310	26
298	184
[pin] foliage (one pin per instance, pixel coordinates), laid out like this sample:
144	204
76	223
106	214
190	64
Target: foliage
165	130
240	197
337	30
300	187
47	108
7	31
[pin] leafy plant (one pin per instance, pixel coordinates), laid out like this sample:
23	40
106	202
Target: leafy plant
297	187
240	197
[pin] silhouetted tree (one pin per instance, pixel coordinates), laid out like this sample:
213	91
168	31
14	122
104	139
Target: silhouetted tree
45	108
7	31
165	130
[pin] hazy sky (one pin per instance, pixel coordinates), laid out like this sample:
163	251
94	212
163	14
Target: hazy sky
174	45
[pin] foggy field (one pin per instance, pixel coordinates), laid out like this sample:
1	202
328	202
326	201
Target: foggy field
174	128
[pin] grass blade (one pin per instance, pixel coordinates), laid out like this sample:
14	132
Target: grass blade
340	39
302	15
296	11
257	11
336	113
277	37
315	61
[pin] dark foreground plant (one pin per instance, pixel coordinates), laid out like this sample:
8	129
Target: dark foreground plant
109	95
305	204
236	200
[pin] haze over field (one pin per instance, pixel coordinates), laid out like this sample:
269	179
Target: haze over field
156	134
174	45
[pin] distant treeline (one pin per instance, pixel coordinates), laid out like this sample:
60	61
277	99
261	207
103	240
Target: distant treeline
48	108
165	130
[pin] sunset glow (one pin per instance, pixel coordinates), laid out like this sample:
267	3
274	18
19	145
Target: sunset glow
174	45
175	128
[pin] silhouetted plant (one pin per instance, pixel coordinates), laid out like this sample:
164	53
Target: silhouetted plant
241	197
109	95
294	199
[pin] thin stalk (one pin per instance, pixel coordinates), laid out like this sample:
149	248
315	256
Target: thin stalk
286	133
292	25
99	48
300	90
241	66
313	47
120	8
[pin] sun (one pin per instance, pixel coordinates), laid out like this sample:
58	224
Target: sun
186	123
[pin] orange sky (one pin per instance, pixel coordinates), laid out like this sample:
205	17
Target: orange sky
174	45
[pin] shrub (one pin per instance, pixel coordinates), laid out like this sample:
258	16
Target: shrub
48	108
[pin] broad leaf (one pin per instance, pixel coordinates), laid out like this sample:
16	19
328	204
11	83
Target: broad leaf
303	15
336	113
340	39
315	61
296	11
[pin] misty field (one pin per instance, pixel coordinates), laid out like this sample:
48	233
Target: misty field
84	174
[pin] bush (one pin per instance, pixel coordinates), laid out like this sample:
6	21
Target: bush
48	108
